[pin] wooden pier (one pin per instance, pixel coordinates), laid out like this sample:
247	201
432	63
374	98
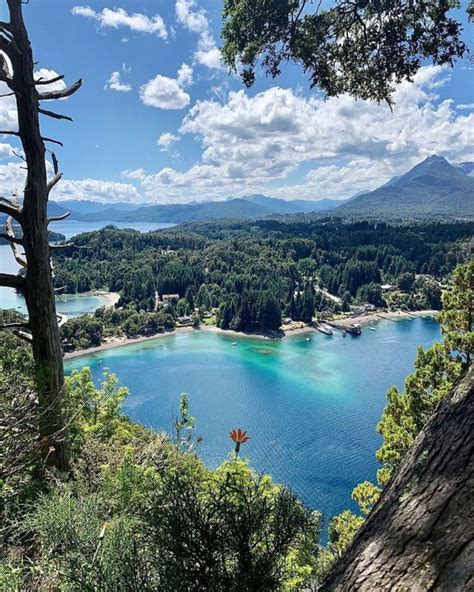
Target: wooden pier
353	329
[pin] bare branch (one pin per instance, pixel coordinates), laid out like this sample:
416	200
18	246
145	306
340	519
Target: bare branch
50	81
52	140
16	251
51	184
10	209
17	324
23	335
9	280
11	239
54	115
55	163
59	217
18	155
61	94
8	132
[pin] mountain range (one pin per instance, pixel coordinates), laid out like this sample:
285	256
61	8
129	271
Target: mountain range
431	188
252	206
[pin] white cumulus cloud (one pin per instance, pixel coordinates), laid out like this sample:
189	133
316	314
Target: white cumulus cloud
115	83
6	151
164	93
8	113
185	75
118	17
253	143
194	19
13	179
166	139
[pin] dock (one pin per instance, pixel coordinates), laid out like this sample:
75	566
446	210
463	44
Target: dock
352	328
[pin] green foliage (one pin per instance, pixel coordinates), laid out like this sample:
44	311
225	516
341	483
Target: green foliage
457	317
342	530
186	440
366	495
143	513
250	273
95	411
89	331
360	48
371	293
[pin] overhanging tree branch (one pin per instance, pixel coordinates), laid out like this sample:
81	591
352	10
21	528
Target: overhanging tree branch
61	94
50	81
54	115
52	140
11	239
10	209
23	335
8	280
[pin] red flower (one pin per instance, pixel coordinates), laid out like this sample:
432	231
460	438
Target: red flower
239	437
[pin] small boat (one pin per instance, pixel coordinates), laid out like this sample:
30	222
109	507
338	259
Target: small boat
323	328
371	328
234	343
354	329
308	339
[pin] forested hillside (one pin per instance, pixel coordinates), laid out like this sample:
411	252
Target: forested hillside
254	274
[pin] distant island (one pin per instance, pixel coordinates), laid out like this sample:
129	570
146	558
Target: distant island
54	237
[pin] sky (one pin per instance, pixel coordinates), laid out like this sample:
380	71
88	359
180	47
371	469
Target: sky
159	119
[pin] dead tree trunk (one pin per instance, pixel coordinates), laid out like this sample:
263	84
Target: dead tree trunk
420	535
37	283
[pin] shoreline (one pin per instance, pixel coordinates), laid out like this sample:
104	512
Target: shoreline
377	316
362	320
111	298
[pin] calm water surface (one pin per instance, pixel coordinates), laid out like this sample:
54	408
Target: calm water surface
310	406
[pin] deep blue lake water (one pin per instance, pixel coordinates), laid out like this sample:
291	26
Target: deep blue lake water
310	406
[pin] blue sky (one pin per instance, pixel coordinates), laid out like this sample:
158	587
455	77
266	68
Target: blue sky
159	119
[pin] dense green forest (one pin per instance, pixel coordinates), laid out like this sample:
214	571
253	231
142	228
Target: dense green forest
140	511
255	274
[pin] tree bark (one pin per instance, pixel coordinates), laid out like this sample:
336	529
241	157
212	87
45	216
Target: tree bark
420	535
38	283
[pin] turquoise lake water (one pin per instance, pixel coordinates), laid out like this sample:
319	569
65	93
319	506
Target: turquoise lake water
310	406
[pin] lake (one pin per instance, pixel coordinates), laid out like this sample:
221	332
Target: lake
73	303
310	406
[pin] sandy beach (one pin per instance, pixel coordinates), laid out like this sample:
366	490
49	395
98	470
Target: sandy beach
373	317
288	332
111	297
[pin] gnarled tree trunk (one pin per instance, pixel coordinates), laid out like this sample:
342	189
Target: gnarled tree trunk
37	283
420	535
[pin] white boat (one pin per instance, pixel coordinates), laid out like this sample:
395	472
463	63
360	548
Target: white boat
371	328
323	328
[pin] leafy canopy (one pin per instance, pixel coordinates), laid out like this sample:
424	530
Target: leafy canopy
359	47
